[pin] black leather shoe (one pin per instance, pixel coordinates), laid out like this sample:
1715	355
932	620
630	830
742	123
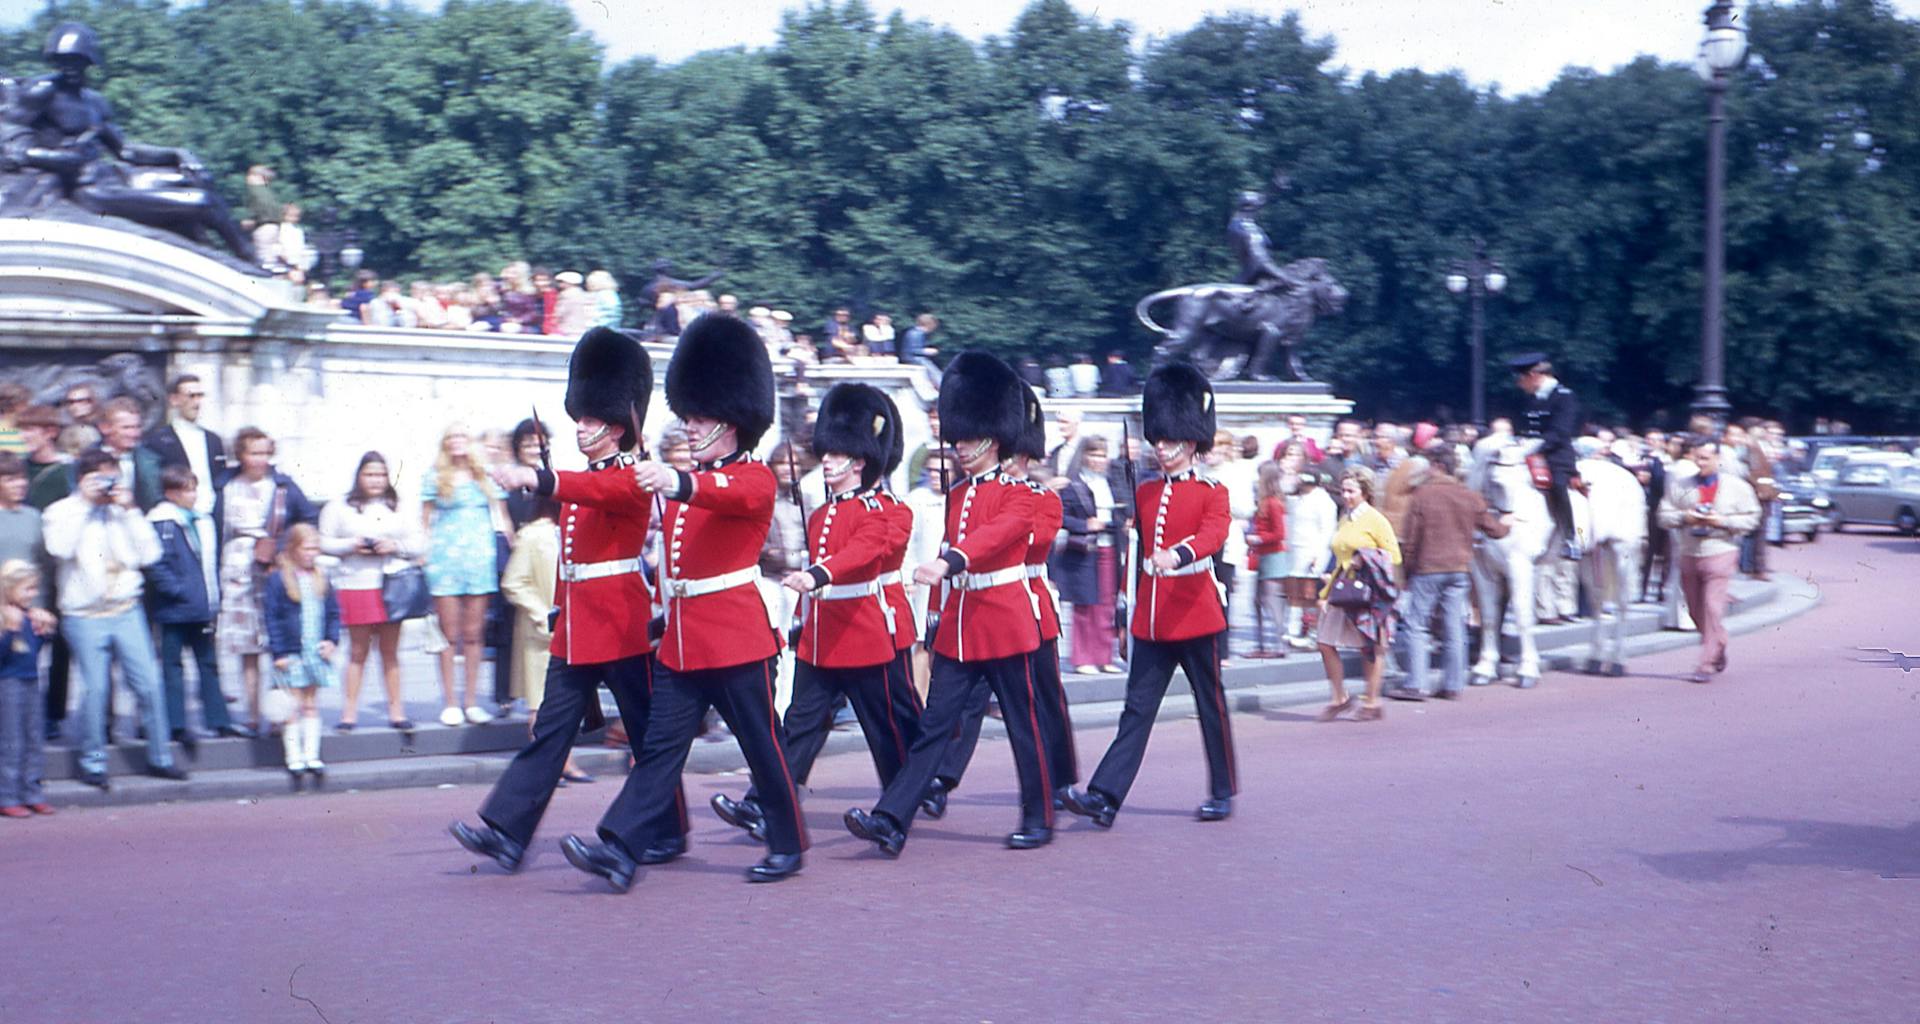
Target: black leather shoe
188	740
98	780
487	841
1215	810
877	829
1029	838
603	859
775	867
1091	805
662	852
1060	798
933	803
741	814
236	731
171	771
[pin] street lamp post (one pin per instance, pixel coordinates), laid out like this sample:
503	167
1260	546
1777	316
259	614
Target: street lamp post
1477	278
1721	52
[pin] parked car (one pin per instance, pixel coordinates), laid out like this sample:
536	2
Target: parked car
1805	509
1877	489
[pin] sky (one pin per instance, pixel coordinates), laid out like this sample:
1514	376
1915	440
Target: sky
1520	45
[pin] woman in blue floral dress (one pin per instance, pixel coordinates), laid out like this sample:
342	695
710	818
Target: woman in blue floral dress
460	509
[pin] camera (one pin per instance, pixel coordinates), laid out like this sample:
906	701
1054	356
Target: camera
1701	529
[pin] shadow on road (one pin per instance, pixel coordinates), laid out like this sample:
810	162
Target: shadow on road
1887	852
1902	546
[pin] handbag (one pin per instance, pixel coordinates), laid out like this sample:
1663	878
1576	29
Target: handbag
1349	591
264	548
403	592
276	704
1083	543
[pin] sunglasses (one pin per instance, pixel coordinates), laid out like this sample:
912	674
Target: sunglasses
78	401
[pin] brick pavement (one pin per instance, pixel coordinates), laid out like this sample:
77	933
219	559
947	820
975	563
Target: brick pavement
1592	850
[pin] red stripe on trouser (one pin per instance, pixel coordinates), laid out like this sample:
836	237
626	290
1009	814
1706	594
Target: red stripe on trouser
1039	746
679	791
893	723
1220	702
773	733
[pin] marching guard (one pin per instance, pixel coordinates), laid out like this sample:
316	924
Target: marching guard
852	609
1051	698
718	647
1178	609
987	627
601	604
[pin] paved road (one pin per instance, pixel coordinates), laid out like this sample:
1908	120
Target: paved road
1593	850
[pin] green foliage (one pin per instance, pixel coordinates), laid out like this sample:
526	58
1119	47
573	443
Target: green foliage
1030	188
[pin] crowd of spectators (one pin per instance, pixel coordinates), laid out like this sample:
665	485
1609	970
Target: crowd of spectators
134	553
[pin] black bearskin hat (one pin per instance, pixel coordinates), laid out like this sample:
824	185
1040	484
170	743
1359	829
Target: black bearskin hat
897	448
1178	406
980	398
720	371
610	377
854	421
1033	436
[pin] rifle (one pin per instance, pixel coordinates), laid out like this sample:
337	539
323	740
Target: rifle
1124	586
937	602
799	608
540	434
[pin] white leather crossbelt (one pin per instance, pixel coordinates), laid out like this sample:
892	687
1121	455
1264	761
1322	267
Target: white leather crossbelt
997	578
682	588
849	591
1193	569
580	572
1037	572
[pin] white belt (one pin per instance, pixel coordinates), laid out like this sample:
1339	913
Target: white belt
998	578
684	588
849	591
1193	569
580	572
1037	572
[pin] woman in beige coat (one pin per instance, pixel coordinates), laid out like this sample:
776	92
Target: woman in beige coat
528	585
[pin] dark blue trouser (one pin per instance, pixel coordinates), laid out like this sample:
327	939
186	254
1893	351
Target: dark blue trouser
177	638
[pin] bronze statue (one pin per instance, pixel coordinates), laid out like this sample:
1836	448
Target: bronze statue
58	141
1237	331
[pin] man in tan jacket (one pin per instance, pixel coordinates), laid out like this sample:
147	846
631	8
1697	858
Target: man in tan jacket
1712	511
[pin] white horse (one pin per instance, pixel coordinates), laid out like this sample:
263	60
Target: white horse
1503	567
1611	525
1610	561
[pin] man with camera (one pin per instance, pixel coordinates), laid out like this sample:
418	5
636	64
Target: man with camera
1712	511
100	542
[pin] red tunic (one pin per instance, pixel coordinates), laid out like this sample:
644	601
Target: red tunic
1047	518
603	524
989	528
903	627
850	543
715	526
1189	515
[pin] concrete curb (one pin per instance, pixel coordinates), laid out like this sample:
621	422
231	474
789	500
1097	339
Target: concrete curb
1787	598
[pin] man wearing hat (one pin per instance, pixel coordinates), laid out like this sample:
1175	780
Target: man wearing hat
718	648
850	621
601	603
987	624
1552	418
1050	705
1179	617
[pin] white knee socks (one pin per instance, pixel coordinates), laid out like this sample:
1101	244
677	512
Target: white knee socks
310	742
290	741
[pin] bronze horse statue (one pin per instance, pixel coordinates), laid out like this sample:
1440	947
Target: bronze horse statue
1235	332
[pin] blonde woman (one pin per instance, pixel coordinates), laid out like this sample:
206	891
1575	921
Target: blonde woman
606	298
459	511
1366	628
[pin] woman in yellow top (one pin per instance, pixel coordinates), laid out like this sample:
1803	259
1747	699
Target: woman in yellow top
1367	629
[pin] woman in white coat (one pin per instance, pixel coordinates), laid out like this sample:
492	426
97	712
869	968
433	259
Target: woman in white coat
1312	517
